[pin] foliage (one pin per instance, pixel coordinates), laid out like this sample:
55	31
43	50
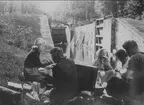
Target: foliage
134	8
30	8
109	7
75	11
11	62
120	8
25	7
21	30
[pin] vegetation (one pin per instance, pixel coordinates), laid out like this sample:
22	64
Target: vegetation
21	30
20	26
18	30
72	12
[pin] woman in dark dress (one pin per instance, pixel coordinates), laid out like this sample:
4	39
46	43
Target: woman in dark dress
33	67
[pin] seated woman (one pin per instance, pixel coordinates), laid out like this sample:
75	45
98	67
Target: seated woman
33	66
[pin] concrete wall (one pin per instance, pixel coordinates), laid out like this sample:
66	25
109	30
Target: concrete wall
107	34
126	32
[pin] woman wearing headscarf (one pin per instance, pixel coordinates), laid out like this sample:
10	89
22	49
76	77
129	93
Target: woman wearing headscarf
33	68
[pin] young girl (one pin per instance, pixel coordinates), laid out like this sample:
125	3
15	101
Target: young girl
102	61
106	71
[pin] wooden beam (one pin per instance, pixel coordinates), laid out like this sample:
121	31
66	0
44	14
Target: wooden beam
18	86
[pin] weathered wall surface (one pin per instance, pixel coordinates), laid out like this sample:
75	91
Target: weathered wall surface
107	34
126	32
83	44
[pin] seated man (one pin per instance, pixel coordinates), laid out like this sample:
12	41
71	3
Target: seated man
135	68
65	77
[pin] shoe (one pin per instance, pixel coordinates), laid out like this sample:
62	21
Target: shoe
44	98
105	94
33	95
47	102
42	90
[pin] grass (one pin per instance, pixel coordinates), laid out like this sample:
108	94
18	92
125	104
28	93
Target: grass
20	29
11	62
12	59
11	65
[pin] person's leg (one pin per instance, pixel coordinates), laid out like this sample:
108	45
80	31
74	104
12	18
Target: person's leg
108	75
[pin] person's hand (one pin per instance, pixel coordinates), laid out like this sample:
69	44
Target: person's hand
117	69
50	66
42	70
129	74
47	62
106	60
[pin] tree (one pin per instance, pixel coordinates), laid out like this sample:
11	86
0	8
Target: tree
2	5
120	8
134	9
110	7
20	7
76	11
30	7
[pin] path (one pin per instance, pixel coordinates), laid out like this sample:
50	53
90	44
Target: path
46	34
45	30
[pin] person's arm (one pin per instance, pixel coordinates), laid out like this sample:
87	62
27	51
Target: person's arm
37	61
107	64
132	66
47	63
94	63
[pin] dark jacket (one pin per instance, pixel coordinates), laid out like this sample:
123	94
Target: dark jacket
65	75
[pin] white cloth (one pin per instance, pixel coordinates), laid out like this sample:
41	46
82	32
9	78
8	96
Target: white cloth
103	77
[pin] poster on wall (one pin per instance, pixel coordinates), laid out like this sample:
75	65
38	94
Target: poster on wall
83	44
89	43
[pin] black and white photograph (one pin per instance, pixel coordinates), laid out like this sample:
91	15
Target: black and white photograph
71	52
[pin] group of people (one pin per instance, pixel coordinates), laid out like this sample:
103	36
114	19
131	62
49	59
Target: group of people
131	70
63	77
64	71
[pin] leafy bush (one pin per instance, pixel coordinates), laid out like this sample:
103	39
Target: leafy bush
20	29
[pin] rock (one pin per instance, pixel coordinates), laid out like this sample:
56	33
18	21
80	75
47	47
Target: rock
9	96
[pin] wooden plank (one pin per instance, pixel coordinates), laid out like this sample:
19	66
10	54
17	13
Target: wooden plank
99	45
19	86
99	26
99	36
2	88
